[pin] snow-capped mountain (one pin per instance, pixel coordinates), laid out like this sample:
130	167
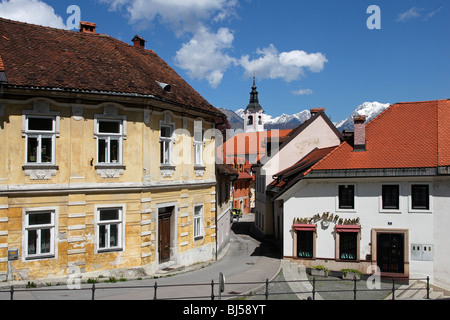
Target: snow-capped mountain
284	121
369	109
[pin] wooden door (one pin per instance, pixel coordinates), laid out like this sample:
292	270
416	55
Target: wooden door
164	237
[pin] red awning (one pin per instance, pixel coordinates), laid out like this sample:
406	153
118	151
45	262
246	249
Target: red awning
347	228
305	227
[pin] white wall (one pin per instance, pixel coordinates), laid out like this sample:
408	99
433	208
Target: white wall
310	197
317	134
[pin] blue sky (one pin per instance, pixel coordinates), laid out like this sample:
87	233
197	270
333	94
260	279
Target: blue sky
304	53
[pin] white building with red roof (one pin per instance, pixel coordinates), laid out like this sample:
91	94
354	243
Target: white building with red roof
379	202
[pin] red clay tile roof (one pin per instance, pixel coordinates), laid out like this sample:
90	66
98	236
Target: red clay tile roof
51	58
285	178
250	143
405	135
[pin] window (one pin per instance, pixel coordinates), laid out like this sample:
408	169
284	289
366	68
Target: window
110	140
109	229
348	245
390	197
305	244
198	143
420	196
39	233
250	120
346	197
166	144
198	222
40	140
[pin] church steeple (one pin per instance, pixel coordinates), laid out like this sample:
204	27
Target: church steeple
254	100
254	112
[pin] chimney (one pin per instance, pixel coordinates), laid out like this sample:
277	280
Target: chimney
316	110
87	27
360	133
138	42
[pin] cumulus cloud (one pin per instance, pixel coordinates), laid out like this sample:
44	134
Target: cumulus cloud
31	11
182	16
288	66
205	57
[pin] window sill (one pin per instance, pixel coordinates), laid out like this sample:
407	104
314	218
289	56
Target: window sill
40	166
40	171
41	257
110	166
109	250
167	170
110	170
199	170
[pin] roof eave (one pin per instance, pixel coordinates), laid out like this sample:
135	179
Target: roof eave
372	172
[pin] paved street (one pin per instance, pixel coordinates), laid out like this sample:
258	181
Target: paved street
246	265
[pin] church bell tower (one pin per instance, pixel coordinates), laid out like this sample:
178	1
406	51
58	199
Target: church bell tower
253	120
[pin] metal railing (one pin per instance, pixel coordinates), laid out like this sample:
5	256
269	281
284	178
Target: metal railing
215	290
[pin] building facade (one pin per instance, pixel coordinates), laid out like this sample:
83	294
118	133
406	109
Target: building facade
316	132
104	166
377	203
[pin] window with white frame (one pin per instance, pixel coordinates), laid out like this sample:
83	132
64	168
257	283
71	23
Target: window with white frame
109	229
198	143
165	139
109	141
40	134
198	222
39	234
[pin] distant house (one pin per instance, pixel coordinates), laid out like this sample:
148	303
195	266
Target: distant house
225	176
378	202
284	152
103	168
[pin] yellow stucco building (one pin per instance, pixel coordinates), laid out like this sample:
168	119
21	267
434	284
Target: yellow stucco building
106	165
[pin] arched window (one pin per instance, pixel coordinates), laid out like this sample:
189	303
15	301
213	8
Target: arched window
250	120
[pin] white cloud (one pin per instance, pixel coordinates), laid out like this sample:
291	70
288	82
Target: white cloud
181	15
432	13
288	66
412	13
204	56
31	11
302	92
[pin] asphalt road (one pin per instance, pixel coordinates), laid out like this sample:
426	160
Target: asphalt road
246	266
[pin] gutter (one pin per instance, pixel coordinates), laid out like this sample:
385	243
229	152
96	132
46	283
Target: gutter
365	173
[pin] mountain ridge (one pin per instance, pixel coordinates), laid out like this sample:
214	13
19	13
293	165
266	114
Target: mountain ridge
285	121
